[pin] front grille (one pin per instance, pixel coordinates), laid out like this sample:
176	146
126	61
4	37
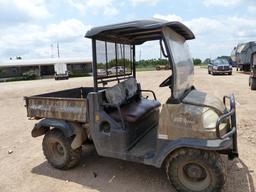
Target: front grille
223	68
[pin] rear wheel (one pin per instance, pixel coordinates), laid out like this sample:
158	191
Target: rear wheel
230	73
196	171
252	83
58	152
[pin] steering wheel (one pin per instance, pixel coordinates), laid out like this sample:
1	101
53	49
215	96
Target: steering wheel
166	82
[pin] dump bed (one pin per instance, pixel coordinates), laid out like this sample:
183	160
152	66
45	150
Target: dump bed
70	105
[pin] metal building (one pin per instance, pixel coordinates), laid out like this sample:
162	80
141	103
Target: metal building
44	67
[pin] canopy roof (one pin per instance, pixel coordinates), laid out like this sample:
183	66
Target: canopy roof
137	32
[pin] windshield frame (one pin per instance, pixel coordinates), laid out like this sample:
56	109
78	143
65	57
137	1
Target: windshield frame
177	93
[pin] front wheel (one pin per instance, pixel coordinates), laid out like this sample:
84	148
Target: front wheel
58	152
196	171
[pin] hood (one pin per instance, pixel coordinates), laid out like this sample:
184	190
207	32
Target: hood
203	99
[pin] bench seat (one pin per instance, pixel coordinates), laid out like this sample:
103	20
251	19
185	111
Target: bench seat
133	112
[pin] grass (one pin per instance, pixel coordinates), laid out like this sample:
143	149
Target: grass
145	69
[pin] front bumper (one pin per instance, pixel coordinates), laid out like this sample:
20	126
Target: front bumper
222	71
232	131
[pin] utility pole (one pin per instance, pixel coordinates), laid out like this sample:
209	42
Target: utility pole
52	51
58	49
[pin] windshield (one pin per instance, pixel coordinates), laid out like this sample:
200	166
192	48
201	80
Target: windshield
220	62
183	68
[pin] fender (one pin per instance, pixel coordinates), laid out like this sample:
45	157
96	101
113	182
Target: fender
167	147
44	125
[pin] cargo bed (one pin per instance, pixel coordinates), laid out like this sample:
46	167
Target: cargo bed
69	105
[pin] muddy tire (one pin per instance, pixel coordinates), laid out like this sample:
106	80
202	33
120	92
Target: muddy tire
58	152
196	171
252	83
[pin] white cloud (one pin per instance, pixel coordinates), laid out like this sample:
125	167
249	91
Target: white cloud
216	37
171	17
31	8
35	8
32	41
147	2
252	9
107	7
224	3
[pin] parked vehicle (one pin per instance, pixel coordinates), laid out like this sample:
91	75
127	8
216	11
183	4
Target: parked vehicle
117	70
252	78
187	137
219	66
162	67
61	71
242	55
101	72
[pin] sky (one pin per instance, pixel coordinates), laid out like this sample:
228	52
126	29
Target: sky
32	28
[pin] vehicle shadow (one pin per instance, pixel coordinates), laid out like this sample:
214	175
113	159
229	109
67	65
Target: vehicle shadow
244	72
220	74
239	177
107	174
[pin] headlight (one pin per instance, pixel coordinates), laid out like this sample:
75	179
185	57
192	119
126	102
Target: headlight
210	118
230	66
215	67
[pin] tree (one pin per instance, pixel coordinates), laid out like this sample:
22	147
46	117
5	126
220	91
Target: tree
197	61
207	61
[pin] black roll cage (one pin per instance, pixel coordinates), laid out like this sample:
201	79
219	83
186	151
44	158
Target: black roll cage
132	33
118	77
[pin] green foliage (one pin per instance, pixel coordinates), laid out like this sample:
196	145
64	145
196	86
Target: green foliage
207	61
30	75
12	79
197	61
112	63
151	63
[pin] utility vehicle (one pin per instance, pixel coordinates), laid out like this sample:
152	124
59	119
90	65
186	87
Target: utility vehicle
186	138
162	67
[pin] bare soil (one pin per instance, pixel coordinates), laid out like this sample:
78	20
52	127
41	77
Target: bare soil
23	167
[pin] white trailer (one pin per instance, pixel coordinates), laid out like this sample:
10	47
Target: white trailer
61	71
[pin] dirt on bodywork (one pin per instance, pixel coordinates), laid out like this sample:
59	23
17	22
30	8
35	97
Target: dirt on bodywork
24	168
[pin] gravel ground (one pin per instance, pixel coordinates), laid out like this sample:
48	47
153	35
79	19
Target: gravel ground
25	168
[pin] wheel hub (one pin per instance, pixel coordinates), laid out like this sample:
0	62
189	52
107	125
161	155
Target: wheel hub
195	172
60	149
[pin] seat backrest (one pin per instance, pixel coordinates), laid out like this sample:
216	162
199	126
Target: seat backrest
120	93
